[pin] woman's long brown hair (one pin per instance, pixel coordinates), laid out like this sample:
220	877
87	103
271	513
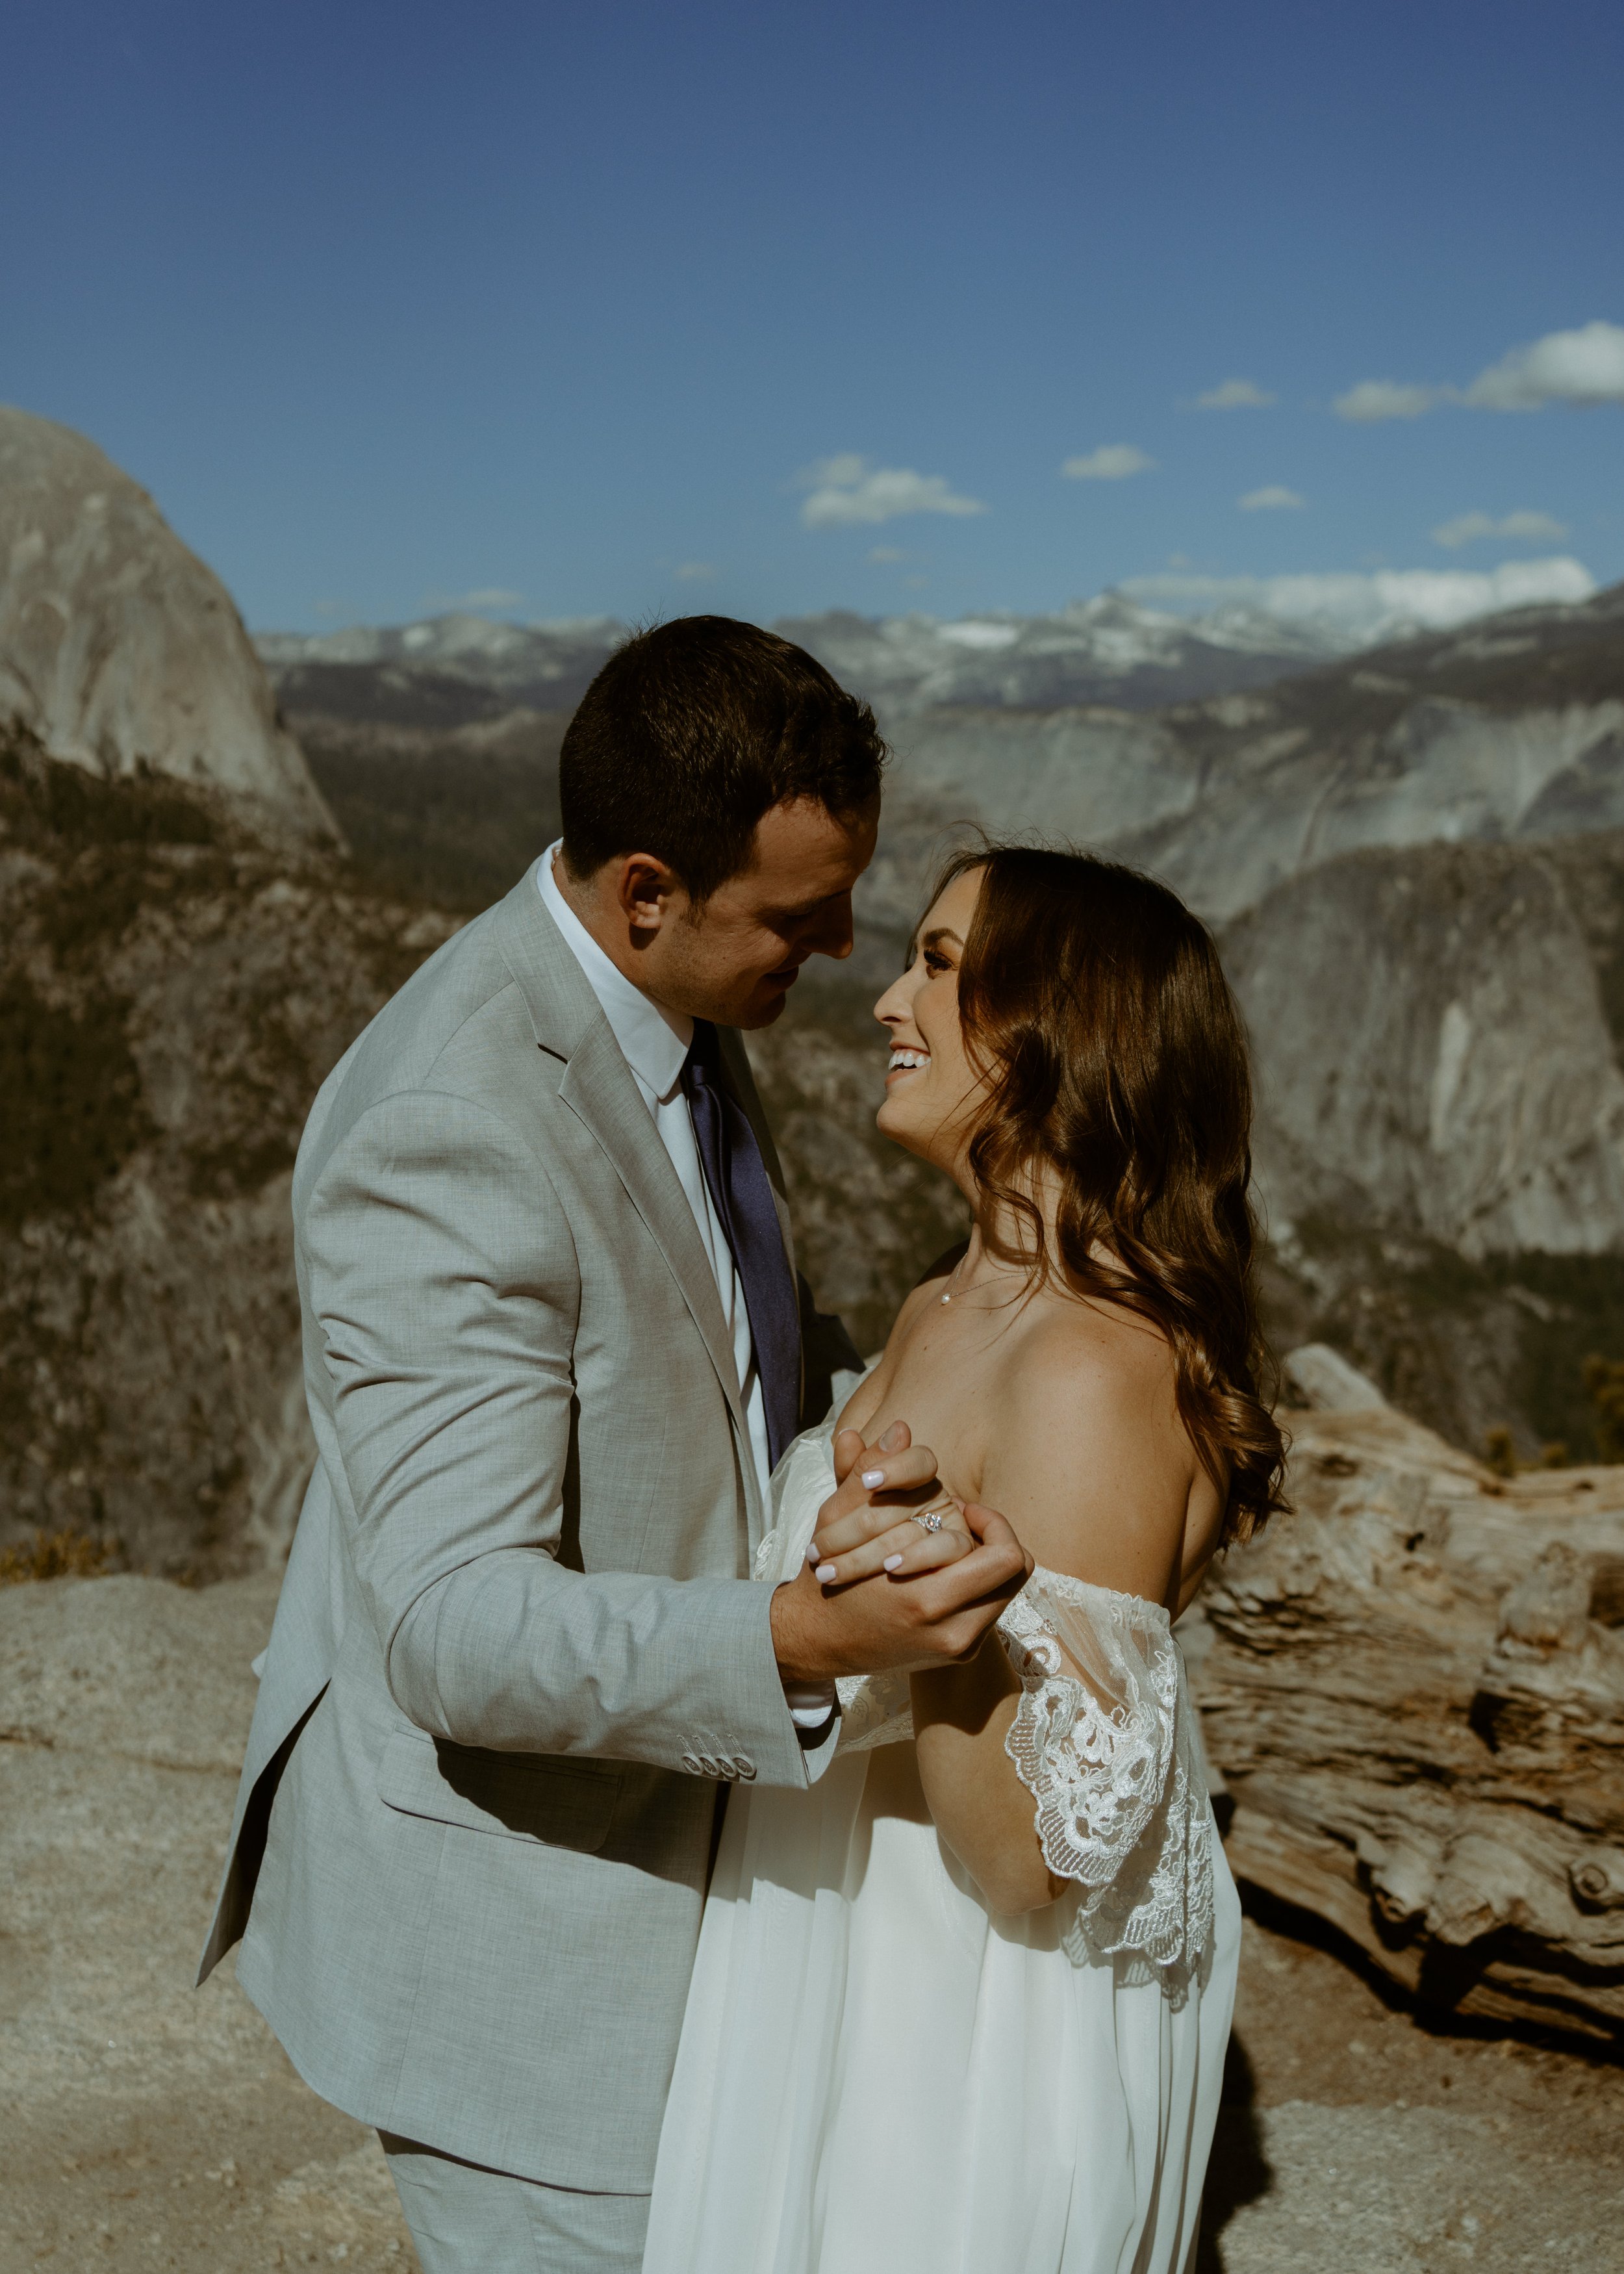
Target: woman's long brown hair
1094	1005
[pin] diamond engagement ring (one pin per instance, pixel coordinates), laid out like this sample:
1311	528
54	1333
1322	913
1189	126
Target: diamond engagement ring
930	1521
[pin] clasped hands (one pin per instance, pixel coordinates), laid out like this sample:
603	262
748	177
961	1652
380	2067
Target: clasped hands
881	1593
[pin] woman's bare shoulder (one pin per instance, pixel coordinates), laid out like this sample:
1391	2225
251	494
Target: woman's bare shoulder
1089	1459
1086	1352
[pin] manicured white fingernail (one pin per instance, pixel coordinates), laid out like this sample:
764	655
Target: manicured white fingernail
873	1477
812	1552
892	1562
825	1572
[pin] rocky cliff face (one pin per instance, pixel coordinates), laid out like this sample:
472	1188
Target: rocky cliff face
183	954
172	992
1436	1041
1513	728
119	651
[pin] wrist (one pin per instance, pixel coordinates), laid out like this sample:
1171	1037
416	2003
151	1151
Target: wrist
798	1659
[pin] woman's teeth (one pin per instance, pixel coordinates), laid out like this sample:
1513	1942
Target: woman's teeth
906	1061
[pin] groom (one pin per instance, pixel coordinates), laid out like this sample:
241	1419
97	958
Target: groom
555	1341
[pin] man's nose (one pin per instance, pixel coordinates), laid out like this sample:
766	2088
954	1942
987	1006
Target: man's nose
834	935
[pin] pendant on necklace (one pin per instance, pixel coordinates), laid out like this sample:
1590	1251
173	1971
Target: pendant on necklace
948	1297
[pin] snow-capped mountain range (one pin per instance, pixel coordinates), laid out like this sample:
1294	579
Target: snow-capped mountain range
1112	650
1106	649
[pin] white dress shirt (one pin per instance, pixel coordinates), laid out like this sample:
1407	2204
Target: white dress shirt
655	1042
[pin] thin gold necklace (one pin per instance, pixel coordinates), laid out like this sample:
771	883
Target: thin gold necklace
953	1274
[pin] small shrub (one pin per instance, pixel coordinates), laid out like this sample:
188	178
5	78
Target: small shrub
1500	1452
64	1554
1603	1386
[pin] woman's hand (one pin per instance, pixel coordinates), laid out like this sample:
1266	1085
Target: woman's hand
959	1582
907	1522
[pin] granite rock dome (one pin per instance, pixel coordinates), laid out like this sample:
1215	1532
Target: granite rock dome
120	649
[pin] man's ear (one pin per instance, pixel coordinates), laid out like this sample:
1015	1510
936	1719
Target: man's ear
645	888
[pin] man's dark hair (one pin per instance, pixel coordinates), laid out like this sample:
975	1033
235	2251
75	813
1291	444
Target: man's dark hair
694	730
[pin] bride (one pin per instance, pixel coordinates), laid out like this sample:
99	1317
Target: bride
962	2008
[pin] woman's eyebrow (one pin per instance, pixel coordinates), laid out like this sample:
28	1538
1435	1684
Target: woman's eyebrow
940	931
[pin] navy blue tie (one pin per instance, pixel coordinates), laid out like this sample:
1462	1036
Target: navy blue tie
737	1177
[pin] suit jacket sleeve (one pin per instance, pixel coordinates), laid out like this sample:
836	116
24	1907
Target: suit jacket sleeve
440	1272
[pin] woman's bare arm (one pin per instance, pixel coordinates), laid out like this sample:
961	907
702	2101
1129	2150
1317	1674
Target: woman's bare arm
982	1810
1094	1471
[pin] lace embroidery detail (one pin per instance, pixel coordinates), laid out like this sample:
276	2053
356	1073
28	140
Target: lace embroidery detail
1111	1762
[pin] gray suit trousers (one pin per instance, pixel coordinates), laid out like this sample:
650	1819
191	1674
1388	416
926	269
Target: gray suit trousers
467	2220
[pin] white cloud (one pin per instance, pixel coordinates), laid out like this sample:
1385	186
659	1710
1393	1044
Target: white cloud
847	489
1467	528
1374	399
885	554
693	572
1236	394
1383	604
1112	461
1272	498
1583	366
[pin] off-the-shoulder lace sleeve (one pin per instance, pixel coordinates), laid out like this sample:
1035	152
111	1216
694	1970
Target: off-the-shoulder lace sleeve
1103	1740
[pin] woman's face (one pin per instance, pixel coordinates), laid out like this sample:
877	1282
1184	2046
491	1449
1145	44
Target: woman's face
932	1090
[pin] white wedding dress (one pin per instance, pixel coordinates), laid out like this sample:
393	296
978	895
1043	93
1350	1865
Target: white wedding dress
878	2075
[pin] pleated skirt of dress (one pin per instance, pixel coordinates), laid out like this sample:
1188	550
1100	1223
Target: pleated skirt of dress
878	2076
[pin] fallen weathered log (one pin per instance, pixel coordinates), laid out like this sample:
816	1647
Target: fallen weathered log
1413	1689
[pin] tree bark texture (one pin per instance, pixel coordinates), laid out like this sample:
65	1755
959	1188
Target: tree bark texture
1413	1689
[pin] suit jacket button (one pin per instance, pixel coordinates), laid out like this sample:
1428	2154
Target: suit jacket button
745	1766
691	1765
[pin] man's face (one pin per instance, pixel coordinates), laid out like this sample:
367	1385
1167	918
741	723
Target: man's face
735	957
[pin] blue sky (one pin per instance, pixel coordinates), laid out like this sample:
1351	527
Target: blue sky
392	305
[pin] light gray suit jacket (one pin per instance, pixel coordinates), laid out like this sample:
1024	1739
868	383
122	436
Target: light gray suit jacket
517	1652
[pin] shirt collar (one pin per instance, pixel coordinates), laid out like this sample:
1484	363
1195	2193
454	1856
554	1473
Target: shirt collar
653	1042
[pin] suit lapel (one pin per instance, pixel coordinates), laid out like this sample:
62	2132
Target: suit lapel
598	1088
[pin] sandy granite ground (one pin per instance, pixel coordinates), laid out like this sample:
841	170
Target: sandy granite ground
146	2126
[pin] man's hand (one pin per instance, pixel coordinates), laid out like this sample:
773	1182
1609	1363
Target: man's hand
933	1609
